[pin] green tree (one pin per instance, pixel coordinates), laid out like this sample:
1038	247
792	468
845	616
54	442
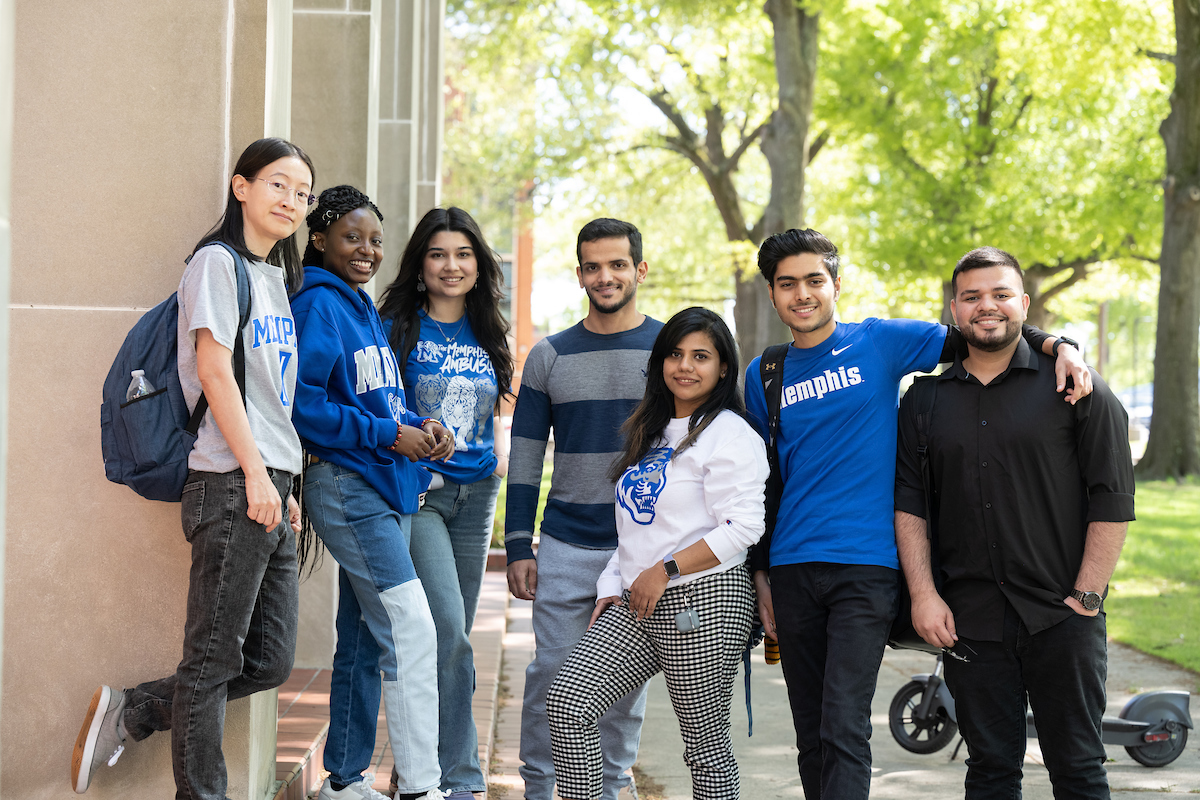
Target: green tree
1173	449
1024	126
702	65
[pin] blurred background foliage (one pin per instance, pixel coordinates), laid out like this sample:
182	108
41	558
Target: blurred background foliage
937	127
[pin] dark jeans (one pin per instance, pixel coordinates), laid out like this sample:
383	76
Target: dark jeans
833	622
1062	671
240	634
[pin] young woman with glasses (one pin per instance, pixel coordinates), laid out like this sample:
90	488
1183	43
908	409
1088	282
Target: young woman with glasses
676	596
361	487
450	340
238	512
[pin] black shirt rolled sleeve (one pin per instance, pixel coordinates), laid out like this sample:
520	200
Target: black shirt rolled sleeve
1018	474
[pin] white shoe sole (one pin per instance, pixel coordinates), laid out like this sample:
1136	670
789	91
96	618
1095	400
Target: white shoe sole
85	743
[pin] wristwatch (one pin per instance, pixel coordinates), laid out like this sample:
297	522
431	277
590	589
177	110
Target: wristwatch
1054	350
671	567
1089	600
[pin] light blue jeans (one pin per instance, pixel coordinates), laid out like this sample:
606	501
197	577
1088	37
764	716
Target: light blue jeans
383	623
450	536
565	599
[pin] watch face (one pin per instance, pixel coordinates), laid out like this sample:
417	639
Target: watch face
1089	600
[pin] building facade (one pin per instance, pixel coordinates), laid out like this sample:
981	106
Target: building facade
119	125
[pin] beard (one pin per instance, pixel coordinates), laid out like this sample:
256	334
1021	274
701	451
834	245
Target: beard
994	340
614	305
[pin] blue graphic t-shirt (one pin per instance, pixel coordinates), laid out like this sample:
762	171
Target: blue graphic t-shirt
452	380
837	439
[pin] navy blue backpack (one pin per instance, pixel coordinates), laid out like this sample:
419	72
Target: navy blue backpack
146	441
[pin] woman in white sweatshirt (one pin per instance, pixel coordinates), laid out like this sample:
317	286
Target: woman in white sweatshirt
676	595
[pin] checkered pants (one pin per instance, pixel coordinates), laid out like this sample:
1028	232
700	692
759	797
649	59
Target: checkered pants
618	653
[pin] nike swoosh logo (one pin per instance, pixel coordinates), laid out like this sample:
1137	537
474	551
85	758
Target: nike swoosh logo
844	349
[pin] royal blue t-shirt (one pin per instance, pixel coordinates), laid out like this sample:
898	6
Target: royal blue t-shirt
837	439
452	380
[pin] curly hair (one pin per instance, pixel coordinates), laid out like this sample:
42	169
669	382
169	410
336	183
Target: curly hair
333	204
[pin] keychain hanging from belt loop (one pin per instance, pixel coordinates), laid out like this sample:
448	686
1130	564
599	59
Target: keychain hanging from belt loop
687	620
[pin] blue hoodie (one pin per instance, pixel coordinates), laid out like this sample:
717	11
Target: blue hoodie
349	395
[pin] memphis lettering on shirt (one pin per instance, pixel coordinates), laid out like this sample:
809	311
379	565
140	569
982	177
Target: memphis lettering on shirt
837	439
454	357
376	369
821	385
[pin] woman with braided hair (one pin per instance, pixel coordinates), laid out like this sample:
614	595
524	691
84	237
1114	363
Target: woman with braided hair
450	339
361	487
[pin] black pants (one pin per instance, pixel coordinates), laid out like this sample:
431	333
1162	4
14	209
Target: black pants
1062	671
833	621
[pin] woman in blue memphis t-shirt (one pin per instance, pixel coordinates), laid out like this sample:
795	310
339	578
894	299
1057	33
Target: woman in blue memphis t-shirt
361	489
448	332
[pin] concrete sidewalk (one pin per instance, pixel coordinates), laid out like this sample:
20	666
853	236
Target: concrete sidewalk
768	759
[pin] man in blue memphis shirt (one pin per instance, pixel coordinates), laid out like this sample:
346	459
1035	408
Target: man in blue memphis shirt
829	591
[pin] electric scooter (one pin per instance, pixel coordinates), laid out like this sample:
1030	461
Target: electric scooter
1153	726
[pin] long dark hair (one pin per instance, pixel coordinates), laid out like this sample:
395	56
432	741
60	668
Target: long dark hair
401	300
231	227
644	427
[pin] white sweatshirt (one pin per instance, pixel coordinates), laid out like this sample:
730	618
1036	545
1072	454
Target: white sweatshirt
712	491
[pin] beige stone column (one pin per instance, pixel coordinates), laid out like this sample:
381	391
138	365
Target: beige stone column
128	117
6	87
410	119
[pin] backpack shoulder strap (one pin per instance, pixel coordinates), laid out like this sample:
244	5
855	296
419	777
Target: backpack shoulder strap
770	372
242	276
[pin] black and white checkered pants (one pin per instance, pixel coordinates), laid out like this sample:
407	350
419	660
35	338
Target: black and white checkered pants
618	653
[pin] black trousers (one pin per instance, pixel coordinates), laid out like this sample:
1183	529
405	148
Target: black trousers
1062	671
833	621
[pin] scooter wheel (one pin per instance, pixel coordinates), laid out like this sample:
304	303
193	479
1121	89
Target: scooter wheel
1159	754
914	735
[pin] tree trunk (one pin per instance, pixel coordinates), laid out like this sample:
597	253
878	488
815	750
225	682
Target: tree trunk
785	145
1173	449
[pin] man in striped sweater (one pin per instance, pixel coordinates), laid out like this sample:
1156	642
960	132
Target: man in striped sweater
583	383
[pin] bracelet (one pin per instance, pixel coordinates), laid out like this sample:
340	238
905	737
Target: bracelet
396	443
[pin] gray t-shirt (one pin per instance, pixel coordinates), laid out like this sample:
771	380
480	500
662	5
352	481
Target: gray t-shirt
208	299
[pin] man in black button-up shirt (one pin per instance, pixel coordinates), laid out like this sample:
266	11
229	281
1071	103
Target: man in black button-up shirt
1032	497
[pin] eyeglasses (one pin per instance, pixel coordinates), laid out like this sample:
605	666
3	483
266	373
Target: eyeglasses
283	190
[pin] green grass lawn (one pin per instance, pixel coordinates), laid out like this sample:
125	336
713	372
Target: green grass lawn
1154	597
498	526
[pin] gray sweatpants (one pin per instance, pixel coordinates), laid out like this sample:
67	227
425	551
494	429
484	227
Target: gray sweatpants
566	597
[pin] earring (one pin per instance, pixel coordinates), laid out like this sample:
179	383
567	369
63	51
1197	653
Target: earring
420	285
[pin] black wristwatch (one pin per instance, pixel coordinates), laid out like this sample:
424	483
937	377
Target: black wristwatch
671	567
1059	341
1089	600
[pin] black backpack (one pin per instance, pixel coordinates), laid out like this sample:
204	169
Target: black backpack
146	441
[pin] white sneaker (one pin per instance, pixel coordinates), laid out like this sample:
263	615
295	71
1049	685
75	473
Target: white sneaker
359	790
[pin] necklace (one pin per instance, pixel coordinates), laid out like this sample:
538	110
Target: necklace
461	321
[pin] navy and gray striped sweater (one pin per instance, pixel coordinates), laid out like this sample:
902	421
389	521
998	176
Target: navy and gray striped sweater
584	386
